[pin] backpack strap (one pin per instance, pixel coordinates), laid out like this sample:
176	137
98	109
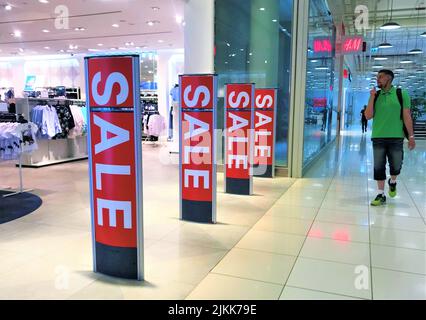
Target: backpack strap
401	103
375	100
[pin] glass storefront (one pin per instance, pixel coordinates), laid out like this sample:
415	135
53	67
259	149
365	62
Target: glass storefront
322	82
253	44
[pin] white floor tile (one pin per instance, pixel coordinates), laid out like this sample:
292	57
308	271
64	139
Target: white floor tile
337	231
337	251
273	242
345	217
220	287
288	211
256	265
398	259
395	222
331	277
284	225
398	238
392	285
292	293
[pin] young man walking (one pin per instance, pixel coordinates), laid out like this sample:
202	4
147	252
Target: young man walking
384	108
364	120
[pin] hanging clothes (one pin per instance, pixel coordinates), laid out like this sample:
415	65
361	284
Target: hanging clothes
46	118
156	125
79	122
66	120
16	138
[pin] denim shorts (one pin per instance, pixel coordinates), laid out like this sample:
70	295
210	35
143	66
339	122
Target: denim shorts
387	149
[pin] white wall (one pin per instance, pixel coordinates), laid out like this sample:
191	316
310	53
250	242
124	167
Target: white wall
49	72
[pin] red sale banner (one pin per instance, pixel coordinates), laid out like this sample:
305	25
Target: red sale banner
115	164
264	133
114	180
197	148
239	122
111	82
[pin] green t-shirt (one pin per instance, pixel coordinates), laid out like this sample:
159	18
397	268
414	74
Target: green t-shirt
387	122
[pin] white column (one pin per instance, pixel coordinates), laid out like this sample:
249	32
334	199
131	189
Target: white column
199	36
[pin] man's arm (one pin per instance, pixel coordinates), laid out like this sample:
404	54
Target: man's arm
369	112
408	121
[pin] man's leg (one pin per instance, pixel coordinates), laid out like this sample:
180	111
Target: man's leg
395	155
379	153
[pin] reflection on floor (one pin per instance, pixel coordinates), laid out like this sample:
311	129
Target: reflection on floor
311	238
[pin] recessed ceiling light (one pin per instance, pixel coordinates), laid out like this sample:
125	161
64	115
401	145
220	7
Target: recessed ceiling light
155	8
100	44
314	60
79	29
73	47
152	22
380	58
115	25
8	7
406	61
62	50
377	66
47	48
399	69
160	41
274	20
17	34
179	19
21	50
93	50
113	48
43	1
129	44
262	9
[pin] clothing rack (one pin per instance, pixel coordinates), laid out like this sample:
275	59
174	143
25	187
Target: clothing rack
52	152
9	117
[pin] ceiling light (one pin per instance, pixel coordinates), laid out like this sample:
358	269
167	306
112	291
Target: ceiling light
262	9
21	50
179	19
415	51
377	66
93	50
47	48
399	69
380	58
73	47
113	48
115	25
79	29
100	44
420	71
62	50
423	34
45	30
8	7
43	1
406	61
390	26
321	68
314	60
129	44
385	45
17	34
160	41
155	8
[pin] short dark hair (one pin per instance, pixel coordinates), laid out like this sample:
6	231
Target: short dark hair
388	72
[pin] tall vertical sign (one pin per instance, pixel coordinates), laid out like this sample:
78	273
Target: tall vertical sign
115	164
197	118
239	125
264	132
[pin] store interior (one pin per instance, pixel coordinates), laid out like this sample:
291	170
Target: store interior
48	236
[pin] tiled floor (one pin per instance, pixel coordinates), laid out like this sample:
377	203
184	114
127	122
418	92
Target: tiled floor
311	238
